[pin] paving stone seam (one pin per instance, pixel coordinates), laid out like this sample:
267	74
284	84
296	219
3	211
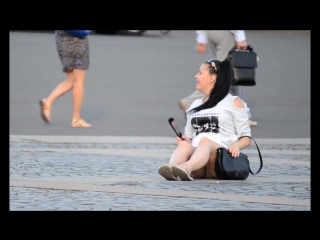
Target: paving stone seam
165	192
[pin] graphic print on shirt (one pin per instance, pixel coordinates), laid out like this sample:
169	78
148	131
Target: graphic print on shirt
205	123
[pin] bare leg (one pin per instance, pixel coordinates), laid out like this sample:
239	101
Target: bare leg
78	91
61	89
75	81
203	157
77	96
182	153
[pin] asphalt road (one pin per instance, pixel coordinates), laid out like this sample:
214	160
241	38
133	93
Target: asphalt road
134	84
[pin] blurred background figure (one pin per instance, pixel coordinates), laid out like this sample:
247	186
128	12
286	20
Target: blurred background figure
74	55
220	43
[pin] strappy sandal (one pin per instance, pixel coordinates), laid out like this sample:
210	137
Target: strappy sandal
80	124
182	173
45	109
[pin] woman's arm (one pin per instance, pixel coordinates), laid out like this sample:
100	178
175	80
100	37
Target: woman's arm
245	142
235	148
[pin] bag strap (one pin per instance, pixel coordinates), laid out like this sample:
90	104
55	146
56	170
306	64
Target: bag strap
261	163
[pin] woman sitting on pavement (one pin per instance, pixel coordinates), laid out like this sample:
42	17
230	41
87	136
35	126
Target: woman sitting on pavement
225	114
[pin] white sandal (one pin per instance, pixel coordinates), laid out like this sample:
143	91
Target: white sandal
166	172
183	174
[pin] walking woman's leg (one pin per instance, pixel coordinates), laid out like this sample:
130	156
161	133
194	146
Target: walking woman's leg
78	91
61	89
77	96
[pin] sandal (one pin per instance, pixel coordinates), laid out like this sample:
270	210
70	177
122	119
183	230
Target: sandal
80	124
166	172
182	173
45	110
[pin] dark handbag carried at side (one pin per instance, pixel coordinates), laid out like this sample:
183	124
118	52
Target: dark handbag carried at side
234	168
78	33
243	63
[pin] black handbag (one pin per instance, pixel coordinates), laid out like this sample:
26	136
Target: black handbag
234	168
243	63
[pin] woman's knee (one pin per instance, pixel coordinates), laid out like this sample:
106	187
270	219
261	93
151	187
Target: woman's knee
185	147
207	142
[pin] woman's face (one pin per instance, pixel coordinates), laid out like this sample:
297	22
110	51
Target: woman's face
205	81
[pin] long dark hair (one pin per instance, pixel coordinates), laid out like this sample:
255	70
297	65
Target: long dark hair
221	86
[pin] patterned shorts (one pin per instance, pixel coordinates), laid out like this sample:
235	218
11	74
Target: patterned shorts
73	52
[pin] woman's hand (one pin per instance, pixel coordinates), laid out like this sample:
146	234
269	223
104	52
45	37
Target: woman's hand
234	150
184	138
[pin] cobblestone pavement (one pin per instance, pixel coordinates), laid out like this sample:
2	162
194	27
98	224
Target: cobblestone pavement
53	173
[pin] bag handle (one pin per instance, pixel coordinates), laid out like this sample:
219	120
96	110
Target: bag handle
248	49
261	163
